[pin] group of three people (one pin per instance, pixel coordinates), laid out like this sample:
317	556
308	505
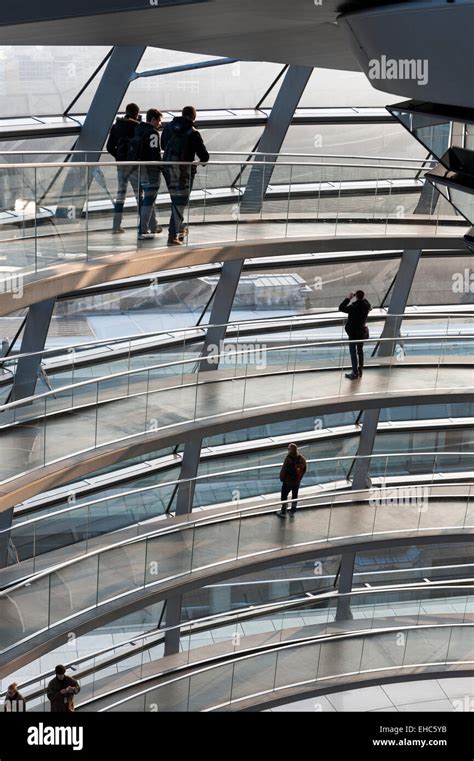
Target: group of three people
133	140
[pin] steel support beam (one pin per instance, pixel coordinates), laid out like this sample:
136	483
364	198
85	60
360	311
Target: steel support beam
344	587
88	82
34	340
105	104
269	89
6	519
398	301
365	449
183	67
189	471
391	329
428	199
220	314
108	98
279	120
173	618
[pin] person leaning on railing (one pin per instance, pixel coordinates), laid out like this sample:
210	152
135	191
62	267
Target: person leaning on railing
356	329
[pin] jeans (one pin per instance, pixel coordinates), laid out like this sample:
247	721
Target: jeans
285	490
357	355
125	175
148	219
179	193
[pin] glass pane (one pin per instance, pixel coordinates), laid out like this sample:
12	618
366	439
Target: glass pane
73	589
24	612
297	665
211	688
252	675
121	570
169	556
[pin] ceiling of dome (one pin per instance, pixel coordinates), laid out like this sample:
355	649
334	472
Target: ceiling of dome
298	31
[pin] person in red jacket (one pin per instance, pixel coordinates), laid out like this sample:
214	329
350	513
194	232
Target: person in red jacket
291	473
61	691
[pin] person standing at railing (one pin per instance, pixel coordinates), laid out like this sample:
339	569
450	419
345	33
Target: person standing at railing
121	145
14	700
181	141
291	473
356	329
150	176
61	691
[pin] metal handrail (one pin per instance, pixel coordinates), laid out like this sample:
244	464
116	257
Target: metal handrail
98	164
262	321
233	153
214	357
192	521
251	611
230	658
218	474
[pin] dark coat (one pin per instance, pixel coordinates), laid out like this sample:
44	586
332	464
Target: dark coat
61	703
150	150
357	318
194	144
288	473
18	700
122	131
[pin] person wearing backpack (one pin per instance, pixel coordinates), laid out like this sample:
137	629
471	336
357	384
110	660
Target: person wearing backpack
181	142
122	144
291	473
149	150
356	330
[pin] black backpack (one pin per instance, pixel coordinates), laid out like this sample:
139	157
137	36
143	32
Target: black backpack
133	147
176	151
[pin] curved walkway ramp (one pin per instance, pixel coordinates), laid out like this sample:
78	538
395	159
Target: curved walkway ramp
76	527
186	553
265	673
102	354
117	671
23	288
93	424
